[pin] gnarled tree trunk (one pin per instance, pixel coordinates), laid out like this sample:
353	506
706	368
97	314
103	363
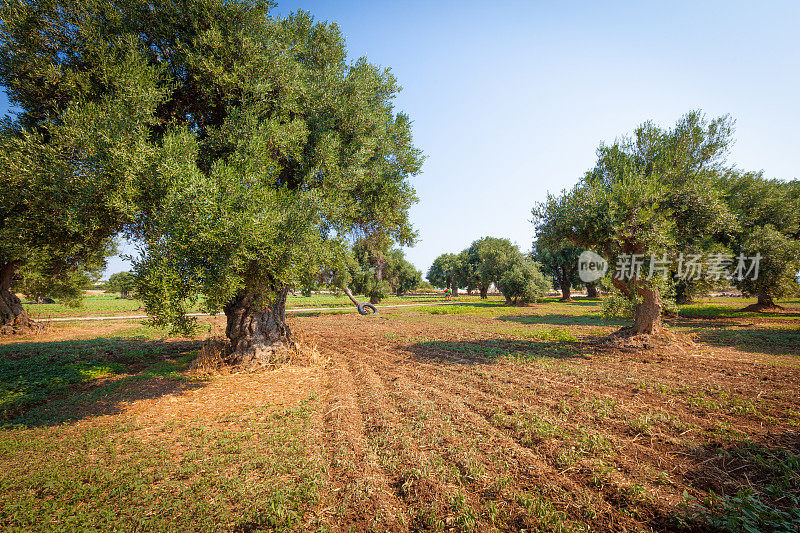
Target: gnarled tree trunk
648	313
647	318
13	318
257	329
454	289
484	292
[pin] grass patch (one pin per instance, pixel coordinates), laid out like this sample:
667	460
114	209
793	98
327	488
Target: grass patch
200	474
447	310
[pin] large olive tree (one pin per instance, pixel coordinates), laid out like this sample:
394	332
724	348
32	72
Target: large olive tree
768	223
488	258
283	151
444	271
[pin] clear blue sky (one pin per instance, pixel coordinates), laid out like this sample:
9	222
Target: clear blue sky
510	99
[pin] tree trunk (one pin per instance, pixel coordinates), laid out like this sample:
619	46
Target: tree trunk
591	291
765	303
257	329
647	318
648	313
13	318
563	283
484	292
469	291
454	289
682	294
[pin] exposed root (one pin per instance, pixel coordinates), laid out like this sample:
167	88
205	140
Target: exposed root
214	356
26	327
625	338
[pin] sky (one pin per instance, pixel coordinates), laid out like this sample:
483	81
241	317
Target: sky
510	99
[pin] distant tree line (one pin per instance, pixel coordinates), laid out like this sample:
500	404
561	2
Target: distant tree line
490	261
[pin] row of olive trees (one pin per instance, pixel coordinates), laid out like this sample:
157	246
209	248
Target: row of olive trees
490	261
669	190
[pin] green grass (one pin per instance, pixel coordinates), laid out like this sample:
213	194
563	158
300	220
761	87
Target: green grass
448	310
779	471
203	474
730	308
92	305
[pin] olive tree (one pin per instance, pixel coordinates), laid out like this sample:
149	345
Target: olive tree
123	283
467	275
523	282
648	194
559	261
490	258
376	278
444	272
282	153
768	223
242	152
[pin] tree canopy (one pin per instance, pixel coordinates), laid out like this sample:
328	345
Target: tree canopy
123	283
523	282
444	272
768	223
483	264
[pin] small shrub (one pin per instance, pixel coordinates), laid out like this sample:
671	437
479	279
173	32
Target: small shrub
523	283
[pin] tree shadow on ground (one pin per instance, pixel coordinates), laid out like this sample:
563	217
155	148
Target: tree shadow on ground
775	341
46	383
493	350
556	319
489	303
716	312
769	472
579	301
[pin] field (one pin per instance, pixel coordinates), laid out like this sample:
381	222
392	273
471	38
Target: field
472	417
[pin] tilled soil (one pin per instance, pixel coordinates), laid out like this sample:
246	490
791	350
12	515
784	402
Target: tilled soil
477	430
